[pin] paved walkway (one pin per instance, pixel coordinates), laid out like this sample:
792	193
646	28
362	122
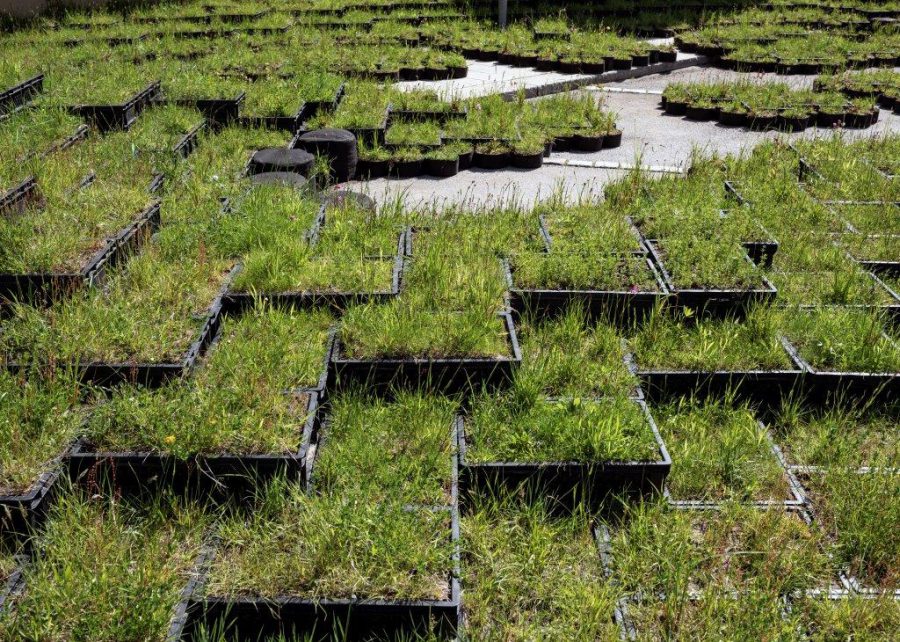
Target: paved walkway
651	139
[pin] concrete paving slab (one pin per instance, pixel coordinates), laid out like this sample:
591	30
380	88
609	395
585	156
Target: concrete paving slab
486	78
480	188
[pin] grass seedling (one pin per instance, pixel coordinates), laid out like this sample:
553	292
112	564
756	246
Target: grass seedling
512	427
530	574
398	451
317	546
719	453
141	556
238	401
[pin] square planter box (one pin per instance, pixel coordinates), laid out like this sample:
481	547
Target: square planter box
569	480
240	301
46	287
449	374
21	513
151	375
111	117
713	301
132	472
441	117
762	249
825	384
765	385
18	96
14	584
362	618
621	305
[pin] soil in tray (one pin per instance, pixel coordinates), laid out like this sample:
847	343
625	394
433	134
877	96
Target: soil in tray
701	574
398	450
324	546
560	270
150	311
859	513
670	342
850	617
841	435
141	555
40	418
719	453
571	356
514	427
238	400
530	574
844	340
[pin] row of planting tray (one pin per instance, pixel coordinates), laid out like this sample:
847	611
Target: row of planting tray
777	119
17	96
594	67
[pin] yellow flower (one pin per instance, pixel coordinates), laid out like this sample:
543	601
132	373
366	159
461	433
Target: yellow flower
170	440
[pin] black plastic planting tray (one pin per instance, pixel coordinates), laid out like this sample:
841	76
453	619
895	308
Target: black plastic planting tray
313	107
290	123
753	384
122	116
20	513
572	481
224	472
337	300
219	111
713	301
621	305
823	385
151	375
357	618
20	95
14	201
45	287
189	142
448	373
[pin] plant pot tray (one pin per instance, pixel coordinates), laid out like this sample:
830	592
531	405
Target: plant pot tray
46	287
449	374
16	199
219	111
21	94
111	117
235	302
713	301
356	618
189	142
577	480
618	304
226	472
151	375
21	513
765	385
283	123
